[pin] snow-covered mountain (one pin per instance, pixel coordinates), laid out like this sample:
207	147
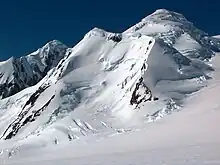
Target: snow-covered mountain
107	83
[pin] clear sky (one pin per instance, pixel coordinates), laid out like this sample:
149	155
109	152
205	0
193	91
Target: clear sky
28	24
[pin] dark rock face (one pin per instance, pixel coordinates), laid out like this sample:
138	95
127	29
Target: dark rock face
115	37
24	118
141	93
29	70
18	124
1	75
35	96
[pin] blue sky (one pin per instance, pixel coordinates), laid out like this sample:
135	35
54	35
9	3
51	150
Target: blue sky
28	24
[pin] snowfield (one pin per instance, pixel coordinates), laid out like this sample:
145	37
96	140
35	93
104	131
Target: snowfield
148	95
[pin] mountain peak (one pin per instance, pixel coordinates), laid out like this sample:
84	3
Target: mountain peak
29	70
54	42
166	15
53	50
163	22
163	11
166	12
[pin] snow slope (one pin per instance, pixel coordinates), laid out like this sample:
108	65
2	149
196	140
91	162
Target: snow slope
111	84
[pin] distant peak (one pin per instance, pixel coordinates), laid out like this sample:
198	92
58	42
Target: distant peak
54	43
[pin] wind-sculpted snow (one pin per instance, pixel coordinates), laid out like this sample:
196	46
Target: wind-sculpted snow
108	82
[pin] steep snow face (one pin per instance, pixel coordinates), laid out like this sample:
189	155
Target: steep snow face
17	74
109	82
